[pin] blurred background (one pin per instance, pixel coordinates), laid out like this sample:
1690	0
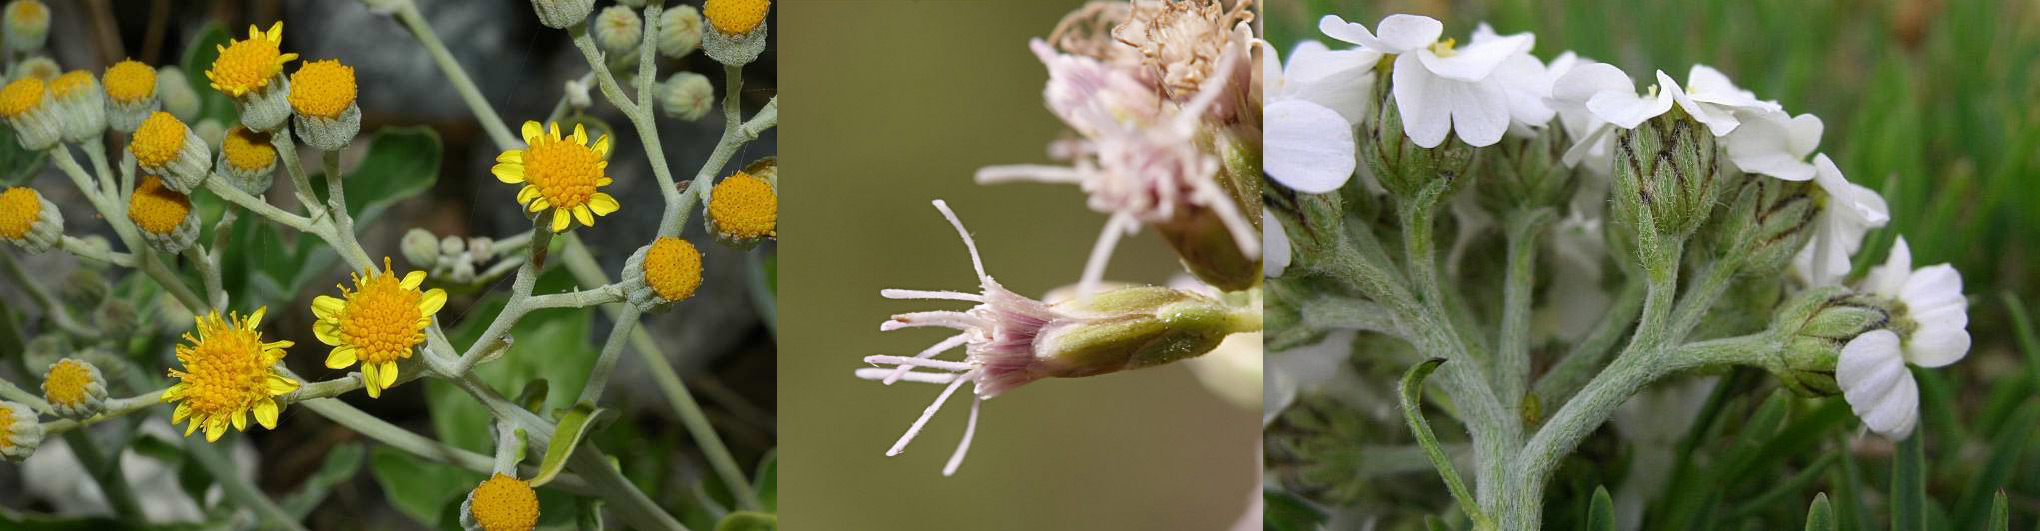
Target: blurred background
1928	101
901	102
430	159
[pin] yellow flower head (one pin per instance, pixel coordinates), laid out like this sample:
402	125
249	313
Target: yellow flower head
744	208
322	88
66	382
158	141
157	209
20	207
129	82
503	503
21	96
28	12
383	320
228	371
673	269
248	150
70	83
248	65
559	173
736	17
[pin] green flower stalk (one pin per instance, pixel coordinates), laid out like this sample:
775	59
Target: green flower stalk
1012	340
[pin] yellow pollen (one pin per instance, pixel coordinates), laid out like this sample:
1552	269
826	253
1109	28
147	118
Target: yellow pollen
565	172
736	17
504	503
70	83
226	366
322	88
20	207
1444	48
744	207
21	96
156	209
248	150
129	82
6	427
382	320
158	141
673	268
250	64
66	382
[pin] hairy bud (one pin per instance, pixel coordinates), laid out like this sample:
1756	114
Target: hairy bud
1666	176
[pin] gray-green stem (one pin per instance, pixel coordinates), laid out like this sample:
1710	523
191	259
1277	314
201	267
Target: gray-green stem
1512	346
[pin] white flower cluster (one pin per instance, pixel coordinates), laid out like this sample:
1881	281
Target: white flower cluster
1492	88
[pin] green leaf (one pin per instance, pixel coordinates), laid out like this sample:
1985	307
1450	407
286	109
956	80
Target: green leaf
1820	516
1601	511
17	164
419	489
401	162
573	426
1998	467
2000	515
198	57
748	521
2022	325
339	467
767	480
1282	511
533	397
1908	485
1411	394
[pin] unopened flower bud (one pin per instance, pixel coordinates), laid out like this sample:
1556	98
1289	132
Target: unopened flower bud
80	105
1815	325
163	146
20	432
85	286
175	90
1666	176
1766	224
132	94
25	104
665	272
736	30
481	248
1528	172
1133	328
679	31
686	96
247	159
562	14
163	216
452	246
323	102
743	210
1399	164
74	388
420	247
28	25
617	29
30	221
117	318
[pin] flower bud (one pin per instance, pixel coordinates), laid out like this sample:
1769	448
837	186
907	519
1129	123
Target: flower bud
481	248
164	147
28	25
175	90
562	14
1666	176
323	101
1766	224
1815	325
74	388
1527	172
679	31
26	105
1398	163
743	210
247	159
163	216
117	318
20	432
452	246
420	247
665	272
1132	328
132	94
500	503
29	221
686	96
736	30
81	105
85	286
617	29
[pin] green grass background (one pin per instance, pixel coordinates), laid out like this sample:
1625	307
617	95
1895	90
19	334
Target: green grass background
1933	102
891	105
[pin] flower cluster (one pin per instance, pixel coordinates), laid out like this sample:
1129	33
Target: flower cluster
1700	168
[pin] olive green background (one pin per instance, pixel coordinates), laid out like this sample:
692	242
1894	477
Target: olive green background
891	105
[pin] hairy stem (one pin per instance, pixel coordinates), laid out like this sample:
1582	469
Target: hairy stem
1512	346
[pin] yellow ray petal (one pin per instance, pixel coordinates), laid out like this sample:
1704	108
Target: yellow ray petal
328	307
532	130
412	280
527	194
182	412
190	426
582	215
538	204
561	220
515	156
173	393
431	302
389	374
241	420
580	134
553	130
328	332
341	357
278	385
602	146
602	204
255	321
265	413
509	173
214	427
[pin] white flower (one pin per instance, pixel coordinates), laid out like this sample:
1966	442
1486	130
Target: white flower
1877	385
1851	211
1527	82
1713	91
1313	103
1931	297
1775	144
1274	245
1440	89
1608	93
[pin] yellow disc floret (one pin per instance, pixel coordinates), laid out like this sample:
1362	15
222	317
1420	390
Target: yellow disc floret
383	320
157	209
560	173
744	207
20	208
322	88
65	385
21	96
70	83
248	65
6	426
673	269
28	12
248	150
158	141
504	503
228	372
129	82
736	17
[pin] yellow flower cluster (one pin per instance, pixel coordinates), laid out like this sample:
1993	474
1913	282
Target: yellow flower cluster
560	173
383	320
228	373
